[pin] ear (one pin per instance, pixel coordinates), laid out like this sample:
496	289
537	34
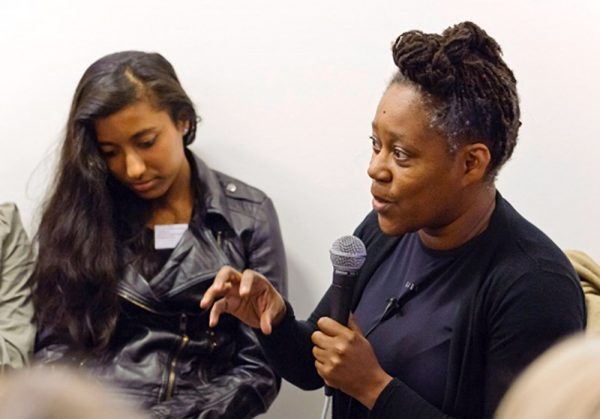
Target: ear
476	159
183	127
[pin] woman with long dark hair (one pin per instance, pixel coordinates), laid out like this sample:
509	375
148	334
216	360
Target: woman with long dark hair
458	292
133	233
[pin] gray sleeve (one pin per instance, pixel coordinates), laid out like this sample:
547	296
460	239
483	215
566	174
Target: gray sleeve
17	331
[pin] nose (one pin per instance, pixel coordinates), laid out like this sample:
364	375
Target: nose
378	169
135	166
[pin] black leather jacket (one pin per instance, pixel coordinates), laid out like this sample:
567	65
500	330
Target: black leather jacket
163	356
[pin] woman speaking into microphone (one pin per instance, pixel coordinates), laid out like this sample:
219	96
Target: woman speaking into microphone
458	292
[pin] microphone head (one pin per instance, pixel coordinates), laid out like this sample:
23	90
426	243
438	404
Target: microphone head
347	254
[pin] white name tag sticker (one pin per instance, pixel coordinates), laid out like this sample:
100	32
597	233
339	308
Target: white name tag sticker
166	236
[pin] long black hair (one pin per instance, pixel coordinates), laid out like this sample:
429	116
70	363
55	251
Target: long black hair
89	214
469	91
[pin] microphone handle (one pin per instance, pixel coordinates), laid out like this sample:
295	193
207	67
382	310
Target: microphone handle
341	298
341	295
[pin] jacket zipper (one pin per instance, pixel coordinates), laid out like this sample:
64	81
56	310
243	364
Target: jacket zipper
182	344
173	364
137	303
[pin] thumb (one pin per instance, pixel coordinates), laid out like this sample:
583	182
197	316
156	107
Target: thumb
265	323
353	325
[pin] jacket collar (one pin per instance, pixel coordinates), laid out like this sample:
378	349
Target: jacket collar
212	193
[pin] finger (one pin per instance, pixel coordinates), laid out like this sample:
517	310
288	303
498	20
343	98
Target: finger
266	325
247	280
330	327
321	340
354	326
218	308
226	275
320	354
320	367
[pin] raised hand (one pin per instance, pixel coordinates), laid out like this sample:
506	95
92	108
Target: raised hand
247	295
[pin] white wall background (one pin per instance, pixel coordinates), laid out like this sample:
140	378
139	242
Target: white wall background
287	91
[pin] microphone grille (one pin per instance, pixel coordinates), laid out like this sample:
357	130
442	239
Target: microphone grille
347	254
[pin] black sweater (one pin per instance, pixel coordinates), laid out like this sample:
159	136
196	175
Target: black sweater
527	297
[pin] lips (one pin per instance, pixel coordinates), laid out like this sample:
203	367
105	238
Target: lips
143	186
381	204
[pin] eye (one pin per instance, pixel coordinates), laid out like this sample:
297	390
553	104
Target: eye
375	144
147	143
107	153
400	155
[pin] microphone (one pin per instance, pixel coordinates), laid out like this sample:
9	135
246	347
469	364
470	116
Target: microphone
347	256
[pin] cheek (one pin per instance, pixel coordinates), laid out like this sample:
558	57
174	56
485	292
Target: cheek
169	157
409	183
115	167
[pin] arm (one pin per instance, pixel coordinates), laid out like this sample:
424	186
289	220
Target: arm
245	391
16	310
289	349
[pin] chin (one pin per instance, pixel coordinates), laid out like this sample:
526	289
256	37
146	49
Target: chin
391	228
149	195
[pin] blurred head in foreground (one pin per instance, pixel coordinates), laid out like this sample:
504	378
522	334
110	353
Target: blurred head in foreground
562	383
43	393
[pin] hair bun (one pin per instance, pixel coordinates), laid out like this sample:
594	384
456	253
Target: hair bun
420	57
466	39
435	62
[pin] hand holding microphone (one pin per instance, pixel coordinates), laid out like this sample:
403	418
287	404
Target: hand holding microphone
344	358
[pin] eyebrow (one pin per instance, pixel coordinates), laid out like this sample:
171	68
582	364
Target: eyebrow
393	136
135	136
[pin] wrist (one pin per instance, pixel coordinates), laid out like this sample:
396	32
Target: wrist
281	312
370	393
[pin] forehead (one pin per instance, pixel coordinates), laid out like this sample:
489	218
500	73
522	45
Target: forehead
140	115
401	114
400	106
402	118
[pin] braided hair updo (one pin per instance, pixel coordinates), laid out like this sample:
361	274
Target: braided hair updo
467	88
